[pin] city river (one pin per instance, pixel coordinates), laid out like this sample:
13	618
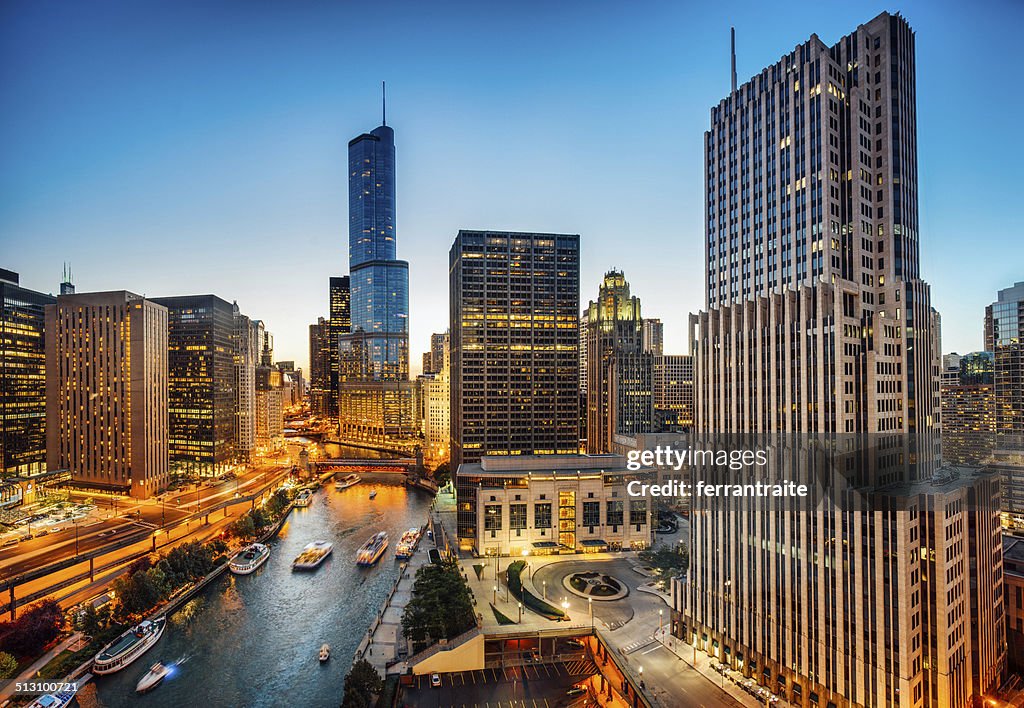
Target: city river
253	640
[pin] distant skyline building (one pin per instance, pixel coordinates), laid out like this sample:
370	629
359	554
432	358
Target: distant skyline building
246	357
320	368
201	380
968	409
339	322
375	402
22	378
619	385
437	410
514	350
107	395
673	392
653	336
818	324
1004	337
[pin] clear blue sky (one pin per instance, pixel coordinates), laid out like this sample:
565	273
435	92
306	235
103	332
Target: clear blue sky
192	147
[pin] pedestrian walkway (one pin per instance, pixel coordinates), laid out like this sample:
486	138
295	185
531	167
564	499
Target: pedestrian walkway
8	686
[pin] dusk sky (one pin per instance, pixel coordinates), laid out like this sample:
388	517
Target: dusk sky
193	147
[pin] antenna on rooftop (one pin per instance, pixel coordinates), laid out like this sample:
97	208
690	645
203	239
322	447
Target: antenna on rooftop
733	32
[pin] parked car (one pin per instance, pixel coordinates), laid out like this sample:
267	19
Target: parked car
435	680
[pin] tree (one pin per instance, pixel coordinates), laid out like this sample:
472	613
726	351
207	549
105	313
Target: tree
361	684
667	561
441	606
8	665
442	474
139	592
36	627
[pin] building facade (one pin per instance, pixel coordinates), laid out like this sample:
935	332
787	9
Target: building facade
549	504
107	392
514	350
673	392
339	323
246	358
619	376
269	408
437	411
1004	337
201	383
653	336
968	408
375	403
817	323
22	378
319	368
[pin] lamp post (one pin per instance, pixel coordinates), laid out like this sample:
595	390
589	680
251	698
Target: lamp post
545	582
565	606
661	624
520	613
495	600
590	602
642	677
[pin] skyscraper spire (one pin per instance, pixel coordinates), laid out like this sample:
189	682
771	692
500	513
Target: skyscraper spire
732	31
384	103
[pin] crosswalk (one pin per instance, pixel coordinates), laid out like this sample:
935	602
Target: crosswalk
638	644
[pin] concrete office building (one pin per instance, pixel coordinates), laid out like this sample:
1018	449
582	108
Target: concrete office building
968	409
22	378
673	392
514	350
619	385
653	336
437	410
107	391
817	323
269	408
543	504
246	358
201	383
1004	337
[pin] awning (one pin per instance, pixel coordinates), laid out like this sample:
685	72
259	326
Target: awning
544	544
591	542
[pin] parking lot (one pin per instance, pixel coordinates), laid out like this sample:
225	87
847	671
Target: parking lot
530	686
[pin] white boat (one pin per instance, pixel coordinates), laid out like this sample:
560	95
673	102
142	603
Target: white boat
347	481
312	555
153	678
325	652
407	544
305	498
53	700
373	493
129	646
248	559
371	551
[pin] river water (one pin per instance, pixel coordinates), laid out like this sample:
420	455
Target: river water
253	640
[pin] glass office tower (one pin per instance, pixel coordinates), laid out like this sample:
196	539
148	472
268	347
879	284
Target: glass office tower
375	395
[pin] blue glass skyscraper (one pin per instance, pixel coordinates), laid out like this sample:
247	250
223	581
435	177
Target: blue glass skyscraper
380	283
375	395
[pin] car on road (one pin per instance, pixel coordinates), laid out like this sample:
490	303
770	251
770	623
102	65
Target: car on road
576	691
10	542
435	680
575	643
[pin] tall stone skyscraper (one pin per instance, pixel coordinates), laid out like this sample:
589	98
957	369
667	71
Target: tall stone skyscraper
1004	337
619	383
514	338
884	588
375	403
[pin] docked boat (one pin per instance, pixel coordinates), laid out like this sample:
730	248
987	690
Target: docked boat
153	678
325	652
305	498
407	544
347	481
53	700
373	493
371	551
312	555
248	559
129	646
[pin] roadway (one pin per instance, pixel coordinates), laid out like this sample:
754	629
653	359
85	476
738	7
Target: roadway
538	686
138	521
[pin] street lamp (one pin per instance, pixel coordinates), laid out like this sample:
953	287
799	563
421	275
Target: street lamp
495	599
545	589
661	625
641	677
520	613
590	602
565	606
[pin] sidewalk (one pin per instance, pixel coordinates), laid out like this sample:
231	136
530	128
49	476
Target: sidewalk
8	690
702	663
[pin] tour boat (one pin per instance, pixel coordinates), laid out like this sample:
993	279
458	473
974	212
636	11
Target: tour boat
248	559
54	700
153	678
129	646
373	493
407	544
325	652
312	555
347	481
305	498
373	549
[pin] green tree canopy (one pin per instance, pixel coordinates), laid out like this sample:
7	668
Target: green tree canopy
361	684
441	606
